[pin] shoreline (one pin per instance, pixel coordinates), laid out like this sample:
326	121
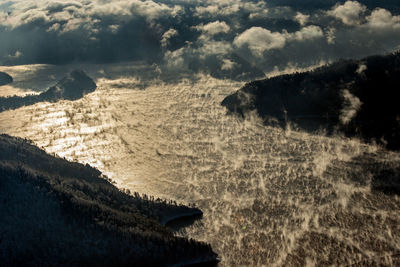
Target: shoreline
182	216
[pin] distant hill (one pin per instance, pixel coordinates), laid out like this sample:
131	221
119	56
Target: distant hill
59	213
355	97
5	78
74	86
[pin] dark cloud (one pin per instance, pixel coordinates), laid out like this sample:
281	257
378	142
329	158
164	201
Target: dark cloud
220	37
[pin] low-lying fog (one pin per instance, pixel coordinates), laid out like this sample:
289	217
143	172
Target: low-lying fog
270	196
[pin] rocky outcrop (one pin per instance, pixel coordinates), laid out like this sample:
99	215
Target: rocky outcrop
355	97
5	78
72	87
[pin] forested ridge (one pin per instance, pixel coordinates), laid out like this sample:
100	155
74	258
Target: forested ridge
355	97
56	212
72	87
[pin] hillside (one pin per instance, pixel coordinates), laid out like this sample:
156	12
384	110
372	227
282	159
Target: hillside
354	97
5	78
72	87
56	212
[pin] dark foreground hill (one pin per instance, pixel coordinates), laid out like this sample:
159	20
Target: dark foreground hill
72	87
356	97
59	213
5	78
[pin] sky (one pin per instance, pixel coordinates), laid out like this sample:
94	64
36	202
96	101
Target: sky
237	39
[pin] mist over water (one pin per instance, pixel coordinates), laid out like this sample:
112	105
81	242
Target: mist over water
270	196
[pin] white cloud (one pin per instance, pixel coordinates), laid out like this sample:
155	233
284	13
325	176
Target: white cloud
114	28
201	11
349	13
168	35
212	8
64	15
301	18
26	12
259	40
3	17
54	28
330	35
214	28
361	68
382	18
148	9
227	64
307	33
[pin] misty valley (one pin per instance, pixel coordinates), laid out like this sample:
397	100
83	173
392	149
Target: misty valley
199	133
269	192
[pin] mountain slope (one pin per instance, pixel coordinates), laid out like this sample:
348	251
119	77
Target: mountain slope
356	97
55	212
72	87
5	78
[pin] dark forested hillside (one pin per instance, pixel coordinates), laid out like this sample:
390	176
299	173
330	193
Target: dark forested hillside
54	212
72	87
5	78
356	97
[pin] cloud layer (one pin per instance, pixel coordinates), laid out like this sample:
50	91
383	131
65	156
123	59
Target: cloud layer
232	39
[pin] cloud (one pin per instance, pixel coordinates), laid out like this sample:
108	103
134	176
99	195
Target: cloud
214	28
211	36
349	13
259	40
301	18
213	8
125	9
65	31
382	19
202	11
214	48
227	64
330	35
114	28
307	33
16	55
82	12
361	68
168	35
175	60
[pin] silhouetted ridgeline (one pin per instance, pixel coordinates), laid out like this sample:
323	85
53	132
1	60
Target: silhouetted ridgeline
5	78
55	212
74	86
356	97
